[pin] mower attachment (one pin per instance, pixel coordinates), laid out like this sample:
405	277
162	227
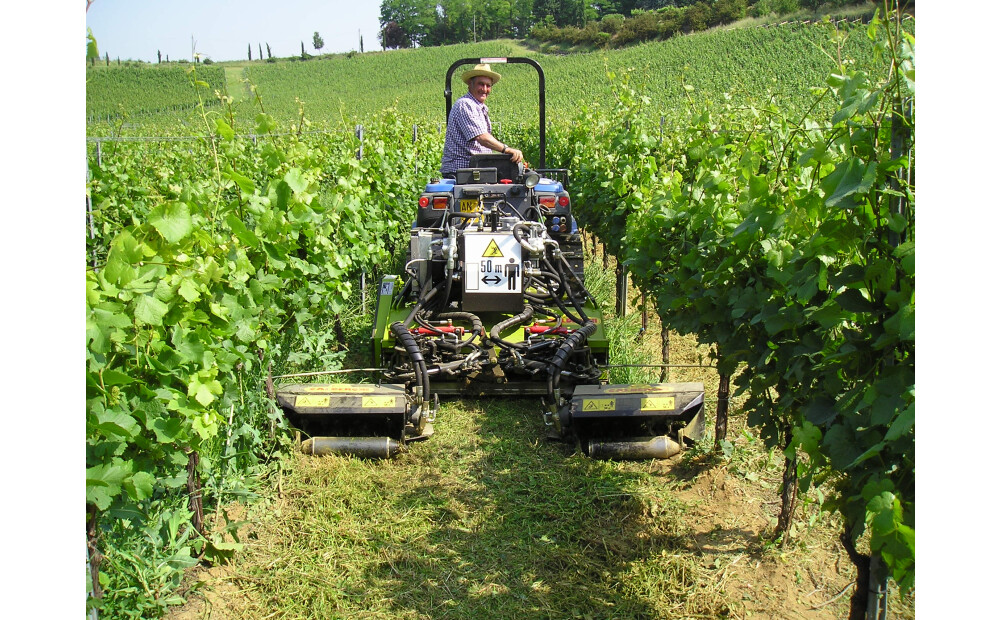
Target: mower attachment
634	421
379	418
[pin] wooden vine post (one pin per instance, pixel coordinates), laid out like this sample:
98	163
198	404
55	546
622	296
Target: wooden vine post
664	350
722	412
94	555
194	493
621	289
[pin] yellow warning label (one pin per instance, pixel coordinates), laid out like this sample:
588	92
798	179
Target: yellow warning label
493	250
339	389
312	401
378	402
598	404
659	403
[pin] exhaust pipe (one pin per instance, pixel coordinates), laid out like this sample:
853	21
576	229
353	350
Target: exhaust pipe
634	448
363	447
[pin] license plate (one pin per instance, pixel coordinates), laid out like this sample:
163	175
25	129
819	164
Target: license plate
469	205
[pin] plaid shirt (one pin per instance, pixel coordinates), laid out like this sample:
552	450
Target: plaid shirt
468	118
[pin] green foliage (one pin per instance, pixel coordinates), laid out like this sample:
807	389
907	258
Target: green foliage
764	8
786	242
92	52
212	258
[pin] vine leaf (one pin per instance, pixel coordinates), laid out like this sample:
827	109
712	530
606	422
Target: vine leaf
172	220
848	179
150	310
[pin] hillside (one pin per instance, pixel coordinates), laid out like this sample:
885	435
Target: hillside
755	62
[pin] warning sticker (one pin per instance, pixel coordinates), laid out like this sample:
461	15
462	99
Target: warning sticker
493	263
493	250
312	401
378	402
659	403
598	404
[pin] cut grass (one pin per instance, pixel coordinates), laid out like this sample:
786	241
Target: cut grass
484	521
489	520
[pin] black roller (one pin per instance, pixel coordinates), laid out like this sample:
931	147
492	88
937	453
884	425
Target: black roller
363	447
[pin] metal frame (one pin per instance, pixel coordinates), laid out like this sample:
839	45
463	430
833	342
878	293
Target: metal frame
501	61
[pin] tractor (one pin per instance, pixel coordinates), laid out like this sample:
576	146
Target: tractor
492	301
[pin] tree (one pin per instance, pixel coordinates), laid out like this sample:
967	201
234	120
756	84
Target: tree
317	41
159	58
393	37
268	45
415	18
260	51
564	12
249	52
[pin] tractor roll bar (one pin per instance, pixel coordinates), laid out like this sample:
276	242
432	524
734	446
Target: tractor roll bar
501	61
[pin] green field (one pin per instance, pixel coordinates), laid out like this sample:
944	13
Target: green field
780	62
214	263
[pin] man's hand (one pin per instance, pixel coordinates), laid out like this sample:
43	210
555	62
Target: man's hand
516	156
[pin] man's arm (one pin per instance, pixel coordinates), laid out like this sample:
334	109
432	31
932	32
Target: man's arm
490	142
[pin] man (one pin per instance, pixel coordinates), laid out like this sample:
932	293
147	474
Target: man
469	126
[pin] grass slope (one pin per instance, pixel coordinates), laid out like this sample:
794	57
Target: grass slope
143	89
745	63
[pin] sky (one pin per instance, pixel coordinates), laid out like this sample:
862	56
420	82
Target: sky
130	29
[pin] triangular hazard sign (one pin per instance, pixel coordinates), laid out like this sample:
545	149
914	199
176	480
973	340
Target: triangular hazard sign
493	250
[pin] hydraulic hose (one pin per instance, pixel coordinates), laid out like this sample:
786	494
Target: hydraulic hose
424	299
525	315
561	357
405	338
569	293
569	268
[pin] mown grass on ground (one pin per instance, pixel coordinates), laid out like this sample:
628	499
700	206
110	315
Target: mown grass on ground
489	520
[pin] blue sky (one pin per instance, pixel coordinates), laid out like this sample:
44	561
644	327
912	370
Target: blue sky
221	30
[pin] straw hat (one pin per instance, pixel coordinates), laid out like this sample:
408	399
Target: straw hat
481	70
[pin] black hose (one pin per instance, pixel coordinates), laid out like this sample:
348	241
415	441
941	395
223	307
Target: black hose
405	338
569	292
561	357
578	280
460	215
477	324
525	315
424	299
